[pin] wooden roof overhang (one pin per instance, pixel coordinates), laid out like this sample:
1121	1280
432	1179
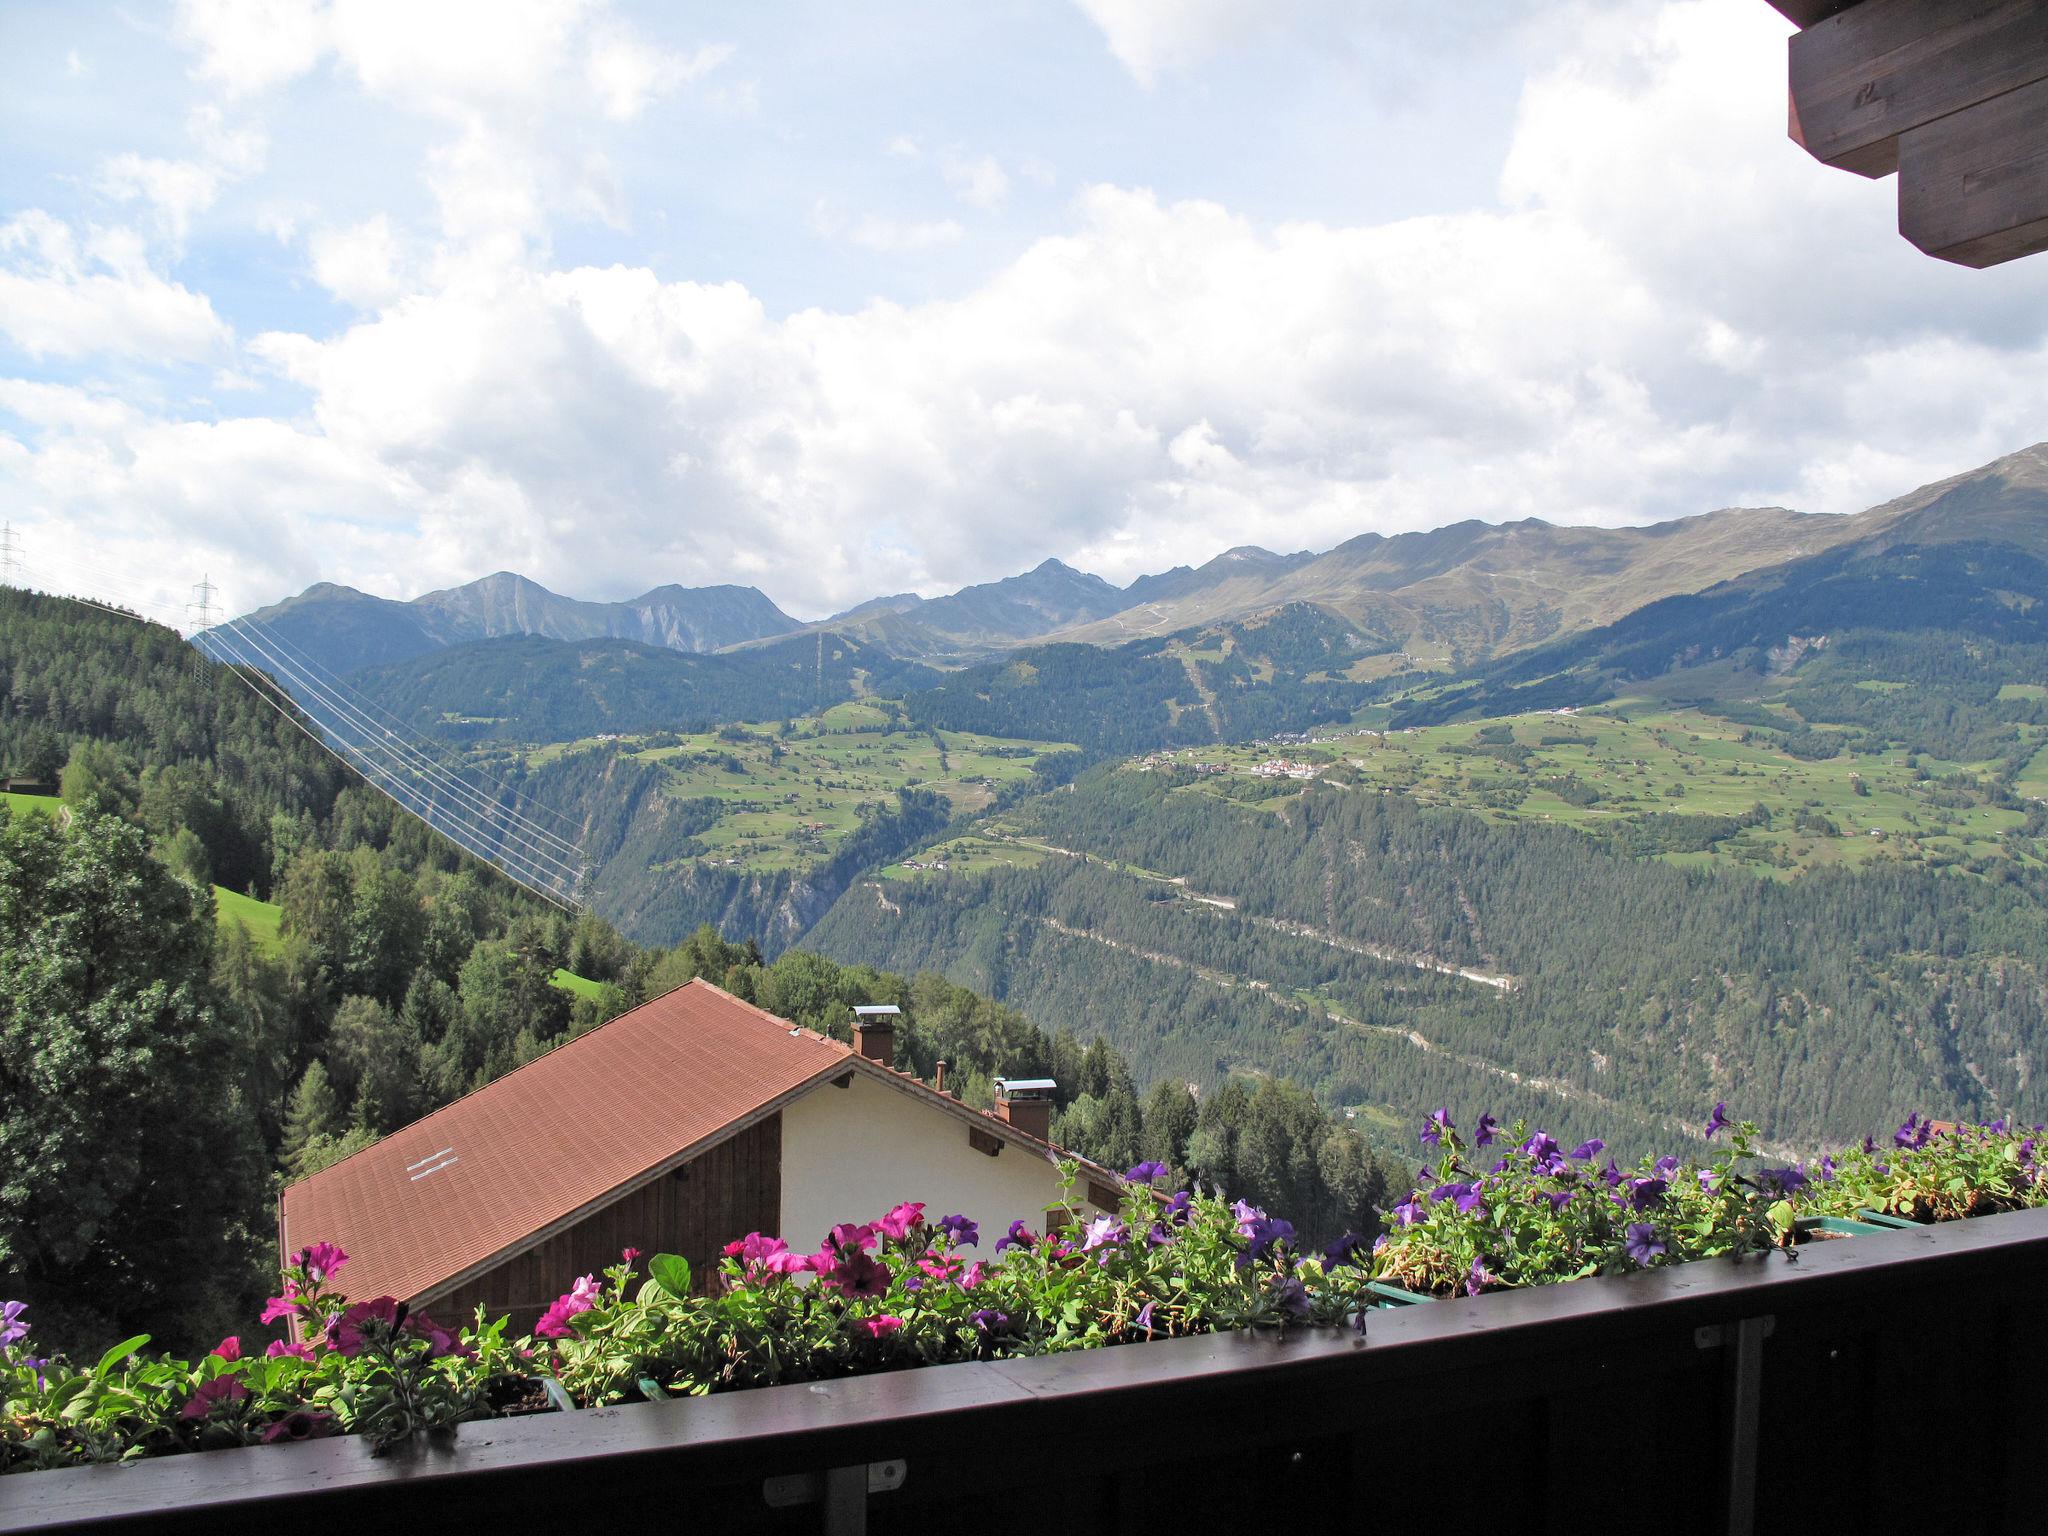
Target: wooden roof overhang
1951	94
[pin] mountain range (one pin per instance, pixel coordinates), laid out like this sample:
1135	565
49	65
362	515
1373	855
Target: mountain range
1453	597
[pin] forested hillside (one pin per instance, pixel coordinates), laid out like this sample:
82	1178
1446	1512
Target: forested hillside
1819	1004
192	1064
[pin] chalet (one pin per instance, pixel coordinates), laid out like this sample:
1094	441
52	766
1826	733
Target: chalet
692	1120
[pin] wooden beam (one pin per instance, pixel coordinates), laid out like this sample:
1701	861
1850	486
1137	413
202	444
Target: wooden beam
1805	13
1880	69
1973	186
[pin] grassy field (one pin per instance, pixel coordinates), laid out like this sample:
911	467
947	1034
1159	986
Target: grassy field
46	804
1607	769
261	918
581	986
968	855
790	794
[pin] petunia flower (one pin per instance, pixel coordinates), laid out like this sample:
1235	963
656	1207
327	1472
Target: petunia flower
278	1348
1102	1230
321	1261
847	1235
1179	1208
346	1336
1718	1121
628	1255
1486	1132
12	1325
881	1327
1436	1128
281	1306
1145	1173
855	1274
1144	1318
1586	1151
1479	1277
1020	1236
1291	1297
301	1424
897	1224
1343	1251
209	1395
1409	1211
229	1348
964	1233
1643	1245
988	1320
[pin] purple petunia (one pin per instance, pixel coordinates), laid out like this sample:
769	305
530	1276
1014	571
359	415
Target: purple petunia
1178	1208
1020	1236
988	1320
1915	1133
1718	1121
1103	1230
1643	1244
964	1233
1479	1277
1436	1128
1267	1232
1291	1297
1645	1193
12	1325
1586	1151
1144	1318
1343	1251
1409	1211
1542	1149
1786	1181
1145	1173
1486	1132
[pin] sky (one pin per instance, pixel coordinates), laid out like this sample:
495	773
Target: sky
843	300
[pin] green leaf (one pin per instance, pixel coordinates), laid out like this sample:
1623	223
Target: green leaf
672	1273
118	1353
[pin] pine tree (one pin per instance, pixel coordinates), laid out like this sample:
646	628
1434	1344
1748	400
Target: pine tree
314	1113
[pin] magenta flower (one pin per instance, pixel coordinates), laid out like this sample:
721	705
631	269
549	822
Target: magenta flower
789	1263
897	1224
229	1348
855	1274
753	1251
213	1394
346	1336
279	1347
628	1255
301	1424
1020	1236
1718	1121
321	1261
281	1306
580	1298
973	1276
881	1327
848	1235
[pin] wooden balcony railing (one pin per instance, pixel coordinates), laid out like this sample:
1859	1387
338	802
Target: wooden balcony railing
1875	1382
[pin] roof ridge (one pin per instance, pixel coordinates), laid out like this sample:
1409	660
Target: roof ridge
560	1045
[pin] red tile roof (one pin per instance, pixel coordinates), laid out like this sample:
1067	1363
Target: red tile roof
642	1093
436	1199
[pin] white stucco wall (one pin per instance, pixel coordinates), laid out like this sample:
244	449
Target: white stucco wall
849	1154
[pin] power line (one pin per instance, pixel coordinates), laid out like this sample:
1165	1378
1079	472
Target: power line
487	825
541	873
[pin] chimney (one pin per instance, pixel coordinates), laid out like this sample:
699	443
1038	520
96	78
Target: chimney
874	1032
1026	1102
939	1079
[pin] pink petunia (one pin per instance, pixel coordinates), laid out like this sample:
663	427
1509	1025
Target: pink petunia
281	1306
278	1348
210	1394
897	1224
229	1348
881	1327
321	1261
346	1336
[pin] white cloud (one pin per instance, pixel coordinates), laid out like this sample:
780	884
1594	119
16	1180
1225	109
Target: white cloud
360	265
179	189
877	233
249	46
1154	37
975	179
60	297
1669	309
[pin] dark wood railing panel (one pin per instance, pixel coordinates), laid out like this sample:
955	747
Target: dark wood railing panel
1896	1369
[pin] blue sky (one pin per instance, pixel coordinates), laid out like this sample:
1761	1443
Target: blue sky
840	300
